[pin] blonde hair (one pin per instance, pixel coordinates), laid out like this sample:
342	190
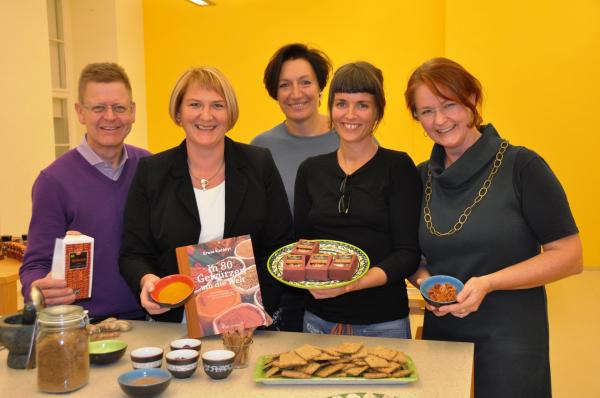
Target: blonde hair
210	78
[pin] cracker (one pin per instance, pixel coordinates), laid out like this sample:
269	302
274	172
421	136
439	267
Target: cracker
271	372
400	357
390	369
325	357
310	368
348	348
402	373
331	351
382	352
294	374
362	353
290	359
341	360
329	370
357	370
375	375
375	362
308	351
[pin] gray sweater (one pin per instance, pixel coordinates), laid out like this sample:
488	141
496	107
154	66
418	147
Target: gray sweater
289	151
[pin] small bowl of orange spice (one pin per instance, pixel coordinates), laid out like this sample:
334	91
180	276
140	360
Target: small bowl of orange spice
441	290
173	290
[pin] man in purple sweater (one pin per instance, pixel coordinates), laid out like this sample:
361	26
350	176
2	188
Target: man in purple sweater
85	190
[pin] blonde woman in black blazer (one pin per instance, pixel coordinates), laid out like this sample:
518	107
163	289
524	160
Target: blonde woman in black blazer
162	212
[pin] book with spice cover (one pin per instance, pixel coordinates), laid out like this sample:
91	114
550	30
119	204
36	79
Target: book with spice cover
226	290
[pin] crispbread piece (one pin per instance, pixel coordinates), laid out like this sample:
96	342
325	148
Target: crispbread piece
393	366
400	357
325	357
341	360
382	352
376	362
360	362
329	370
308	351
357	370
348	348
271	372
402	373
375	375
290	359
331	351
309	368
294	374
362	353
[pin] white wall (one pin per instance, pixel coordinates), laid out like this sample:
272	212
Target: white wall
100	30
26	130
112	31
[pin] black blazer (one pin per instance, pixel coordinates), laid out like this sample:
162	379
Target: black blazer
161	214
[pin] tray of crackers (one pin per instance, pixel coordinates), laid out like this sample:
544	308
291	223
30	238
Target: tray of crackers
278	263
347	363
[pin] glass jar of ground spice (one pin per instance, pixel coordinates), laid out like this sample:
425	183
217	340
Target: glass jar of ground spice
62	349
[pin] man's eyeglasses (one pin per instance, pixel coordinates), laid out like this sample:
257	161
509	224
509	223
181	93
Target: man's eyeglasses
100	109
344	202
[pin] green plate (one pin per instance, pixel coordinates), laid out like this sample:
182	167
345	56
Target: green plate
275	264
259	377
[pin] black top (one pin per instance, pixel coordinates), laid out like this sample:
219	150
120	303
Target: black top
161	214
382	220
525	207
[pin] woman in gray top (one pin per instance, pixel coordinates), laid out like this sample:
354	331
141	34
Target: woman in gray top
494	216
295	77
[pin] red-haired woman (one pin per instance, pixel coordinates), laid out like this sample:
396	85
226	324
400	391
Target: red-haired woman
495	217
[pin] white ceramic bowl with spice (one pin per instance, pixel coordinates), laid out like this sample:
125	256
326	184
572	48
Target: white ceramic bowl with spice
182	363
184	344
147	357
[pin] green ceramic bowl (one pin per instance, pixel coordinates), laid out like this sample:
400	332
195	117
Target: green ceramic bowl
103	352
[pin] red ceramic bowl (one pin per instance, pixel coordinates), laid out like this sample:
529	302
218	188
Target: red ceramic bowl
173	290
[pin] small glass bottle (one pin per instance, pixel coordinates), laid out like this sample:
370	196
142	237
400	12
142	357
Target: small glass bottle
62	349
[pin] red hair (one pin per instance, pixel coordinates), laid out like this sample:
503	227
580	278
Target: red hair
449	80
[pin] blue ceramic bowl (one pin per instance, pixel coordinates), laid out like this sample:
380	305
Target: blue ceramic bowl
428	283
145	383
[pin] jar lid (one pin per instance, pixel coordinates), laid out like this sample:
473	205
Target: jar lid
61	314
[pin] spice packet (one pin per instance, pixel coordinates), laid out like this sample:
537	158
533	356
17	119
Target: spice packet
73	261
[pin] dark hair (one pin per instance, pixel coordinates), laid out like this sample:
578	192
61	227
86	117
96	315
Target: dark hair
359	77
449	80
102	72
317	59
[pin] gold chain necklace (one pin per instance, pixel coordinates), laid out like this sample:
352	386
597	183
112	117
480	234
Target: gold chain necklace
205	181
462	219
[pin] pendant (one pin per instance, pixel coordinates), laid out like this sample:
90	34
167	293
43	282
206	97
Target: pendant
203	184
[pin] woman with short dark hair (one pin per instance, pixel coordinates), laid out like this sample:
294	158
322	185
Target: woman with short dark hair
365	195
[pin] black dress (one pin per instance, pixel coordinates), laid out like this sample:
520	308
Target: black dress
524	208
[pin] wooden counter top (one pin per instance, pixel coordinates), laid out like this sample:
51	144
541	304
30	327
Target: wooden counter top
444	368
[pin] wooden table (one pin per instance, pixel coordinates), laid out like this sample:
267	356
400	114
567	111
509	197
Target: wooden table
444	368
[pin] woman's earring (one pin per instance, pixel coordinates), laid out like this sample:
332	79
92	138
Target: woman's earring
320	95
425	133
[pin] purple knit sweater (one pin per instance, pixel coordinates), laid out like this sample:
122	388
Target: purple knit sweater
71	194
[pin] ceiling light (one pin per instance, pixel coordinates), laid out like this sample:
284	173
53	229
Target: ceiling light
203	2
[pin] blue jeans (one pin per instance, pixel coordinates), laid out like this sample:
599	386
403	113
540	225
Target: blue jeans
398	328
